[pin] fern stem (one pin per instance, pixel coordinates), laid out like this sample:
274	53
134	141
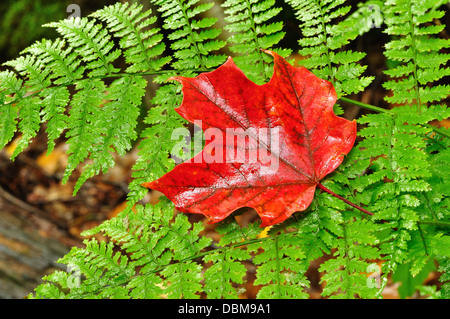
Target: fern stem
255	37
364	105
435	223
240	229
389	147
429	206
413	46
371	107
278	268
108	76
222	269
346	256
365	211
423	240
325	41
191	34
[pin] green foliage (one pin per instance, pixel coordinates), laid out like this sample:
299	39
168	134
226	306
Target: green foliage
83	58
279	268
226	268
140	42
89	85
192	38
402	182
324	36
417	53
348	271
248	21
193	43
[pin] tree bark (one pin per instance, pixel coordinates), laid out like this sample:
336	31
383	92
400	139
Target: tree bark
30	245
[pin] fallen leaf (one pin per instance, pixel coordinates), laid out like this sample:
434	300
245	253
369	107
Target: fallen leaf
267	146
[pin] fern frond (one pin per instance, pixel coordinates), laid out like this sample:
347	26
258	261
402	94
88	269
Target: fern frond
436	202
29	114
444	267
83	57
346	274
48	290
192	38
420	62
146	255
55	101
251	31
115	125
323	41
183	280
91	270
396	201
92	42
369	15
58	57
135	233
38	77
279	268
193	43
140	44
398	189
9	84
29	108
227	269
85	109
154	149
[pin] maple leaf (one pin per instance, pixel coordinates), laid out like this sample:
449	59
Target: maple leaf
272	144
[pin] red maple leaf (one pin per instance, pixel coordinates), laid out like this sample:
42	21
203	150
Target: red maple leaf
272	144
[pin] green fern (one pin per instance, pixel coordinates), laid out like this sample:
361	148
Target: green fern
445	269
279	268
396	138
85	109
83	57
139	42
226	267
322	43
28	109
116	125
193	42
348	271
192	39
90	84
369	15
395	201
249	23
92	42
417	53
103	272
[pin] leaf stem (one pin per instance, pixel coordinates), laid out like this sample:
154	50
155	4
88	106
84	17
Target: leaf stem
365	211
